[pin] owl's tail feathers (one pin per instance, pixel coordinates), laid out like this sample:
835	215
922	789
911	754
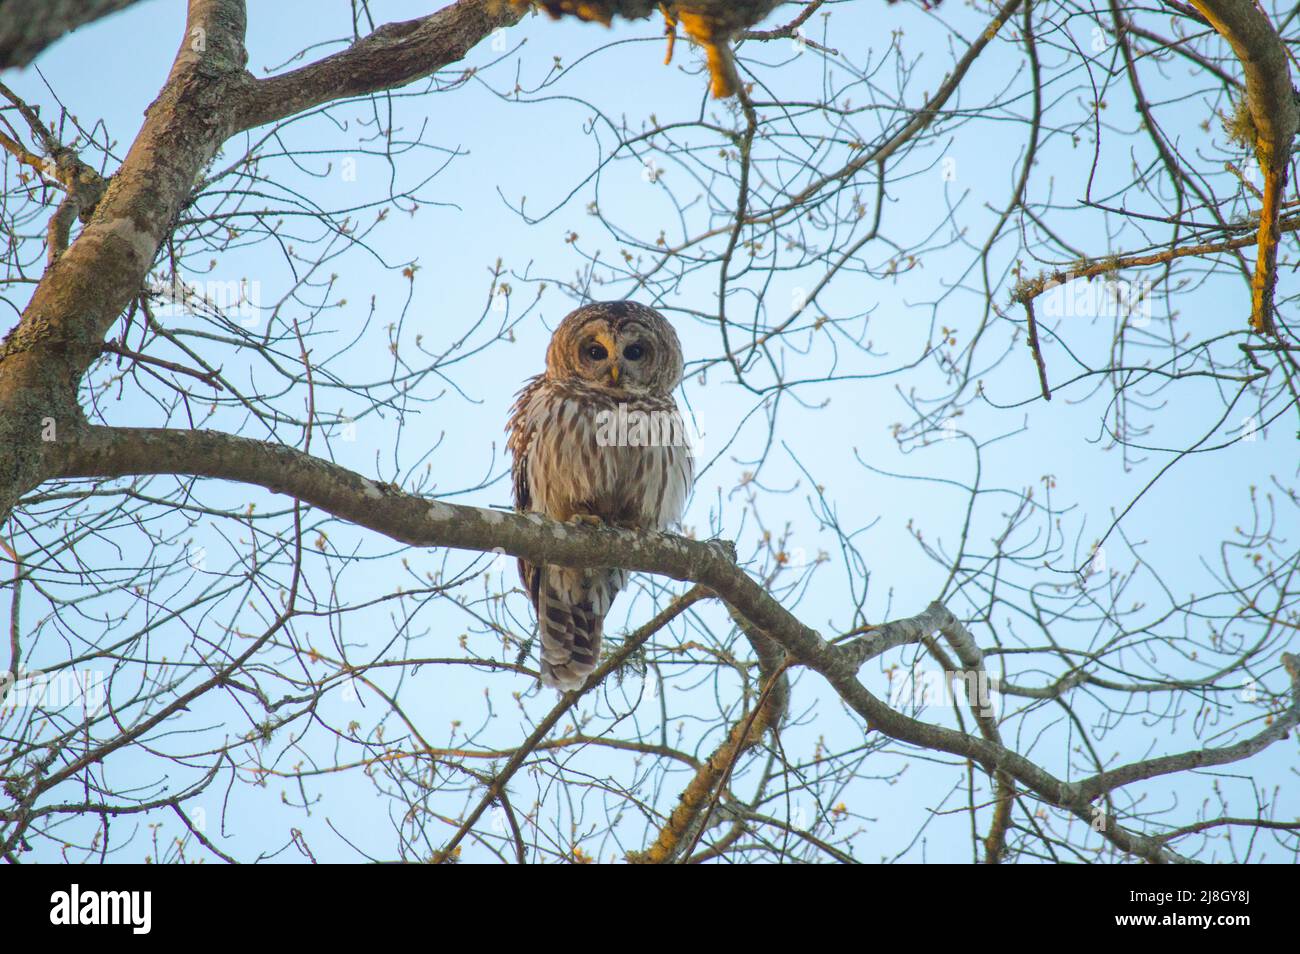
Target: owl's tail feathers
571	608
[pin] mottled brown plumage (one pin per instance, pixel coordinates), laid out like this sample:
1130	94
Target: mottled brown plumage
597	437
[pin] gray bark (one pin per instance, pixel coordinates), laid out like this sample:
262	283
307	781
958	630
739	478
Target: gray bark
28	26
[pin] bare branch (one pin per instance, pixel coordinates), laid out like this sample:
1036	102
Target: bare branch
111	452
392	56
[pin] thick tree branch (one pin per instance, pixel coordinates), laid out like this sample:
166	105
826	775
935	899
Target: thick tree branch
208	96
1279	728
28	26
392	56
1271	102
116	452
979	696
84	291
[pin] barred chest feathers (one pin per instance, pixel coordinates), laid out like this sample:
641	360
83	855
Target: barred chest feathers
623	457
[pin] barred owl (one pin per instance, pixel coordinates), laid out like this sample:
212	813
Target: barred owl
597	438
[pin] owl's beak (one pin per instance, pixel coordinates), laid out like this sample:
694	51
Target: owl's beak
608	341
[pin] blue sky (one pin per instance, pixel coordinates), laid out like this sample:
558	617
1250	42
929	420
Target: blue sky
541	150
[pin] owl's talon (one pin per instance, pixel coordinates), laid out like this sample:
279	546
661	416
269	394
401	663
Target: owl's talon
589	519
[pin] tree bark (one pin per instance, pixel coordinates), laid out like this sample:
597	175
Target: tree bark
1271	101
28	26
419	521
208	97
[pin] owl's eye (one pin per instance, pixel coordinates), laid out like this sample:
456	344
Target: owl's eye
597	352
634	352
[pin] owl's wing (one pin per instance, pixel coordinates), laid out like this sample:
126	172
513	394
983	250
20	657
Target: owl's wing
520	431
520	439
679	477
683	481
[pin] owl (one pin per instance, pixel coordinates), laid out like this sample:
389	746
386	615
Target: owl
597	438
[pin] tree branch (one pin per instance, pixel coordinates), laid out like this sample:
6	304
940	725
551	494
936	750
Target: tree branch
29	26
634	641
208	96
1271	102
84	291
116	452
393	55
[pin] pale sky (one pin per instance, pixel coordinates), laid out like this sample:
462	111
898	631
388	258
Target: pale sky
542	151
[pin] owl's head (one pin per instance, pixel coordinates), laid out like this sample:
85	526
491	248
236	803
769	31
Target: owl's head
616	344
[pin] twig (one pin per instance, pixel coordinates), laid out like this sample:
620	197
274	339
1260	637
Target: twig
207	377
1037	350
567	702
